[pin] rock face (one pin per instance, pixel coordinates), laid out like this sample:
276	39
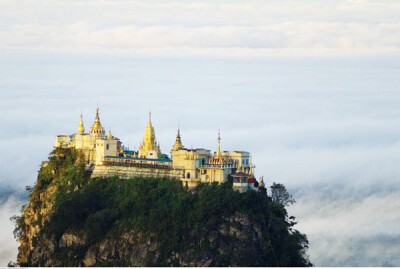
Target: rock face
239	243
34	219
42	200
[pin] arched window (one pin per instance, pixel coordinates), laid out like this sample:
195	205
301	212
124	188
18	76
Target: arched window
188	175
108	146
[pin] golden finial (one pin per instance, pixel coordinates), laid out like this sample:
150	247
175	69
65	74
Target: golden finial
97	128
149	141
219	143
178	142
81	128
97	112
109	136
251	168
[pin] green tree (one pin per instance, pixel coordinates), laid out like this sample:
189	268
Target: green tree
280	195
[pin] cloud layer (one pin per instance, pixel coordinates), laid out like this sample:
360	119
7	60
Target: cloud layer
8	245
351	225
220	28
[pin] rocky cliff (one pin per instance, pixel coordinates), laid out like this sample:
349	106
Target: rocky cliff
74	220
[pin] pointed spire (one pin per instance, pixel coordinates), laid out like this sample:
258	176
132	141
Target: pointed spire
149	142
178	142
150	117
81	128
261	183
109	136
251	168
97	128
219	144
97	113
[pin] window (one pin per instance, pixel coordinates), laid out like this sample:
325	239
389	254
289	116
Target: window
188	175
108	146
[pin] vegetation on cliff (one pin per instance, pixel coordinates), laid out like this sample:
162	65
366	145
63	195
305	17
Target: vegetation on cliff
74	220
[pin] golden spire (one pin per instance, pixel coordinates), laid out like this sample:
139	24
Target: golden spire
251	168
109	136
219	144
149	147
97	128
261	182
97	114
149	142
81	128
178	142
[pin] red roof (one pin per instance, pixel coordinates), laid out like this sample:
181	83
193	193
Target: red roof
251	180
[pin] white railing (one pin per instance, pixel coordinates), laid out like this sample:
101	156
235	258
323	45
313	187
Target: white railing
218	166
238	184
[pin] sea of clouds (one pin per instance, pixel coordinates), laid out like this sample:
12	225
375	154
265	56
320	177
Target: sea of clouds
309	88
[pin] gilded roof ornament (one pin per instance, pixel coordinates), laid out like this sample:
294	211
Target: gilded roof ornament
178	143
81	128
219	144
97	128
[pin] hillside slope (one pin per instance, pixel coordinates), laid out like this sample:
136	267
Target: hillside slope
73	220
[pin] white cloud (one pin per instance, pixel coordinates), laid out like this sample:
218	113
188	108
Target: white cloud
347	225
213	29
8	245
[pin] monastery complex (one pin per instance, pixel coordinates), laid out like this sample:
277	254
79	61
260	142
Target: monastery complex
106	157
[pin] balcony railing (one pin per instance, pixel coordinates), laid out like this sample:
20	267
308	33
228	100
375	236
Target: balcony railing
218	166
238	184
141	165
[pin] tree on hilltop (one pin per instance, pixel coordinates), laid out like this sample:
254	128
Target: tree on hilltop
279	194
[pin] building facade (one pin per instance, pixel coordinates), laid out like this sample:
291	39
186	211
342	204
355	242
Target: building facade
106	155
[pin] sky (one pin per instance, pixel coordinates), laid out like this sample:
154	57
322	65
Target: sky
310	88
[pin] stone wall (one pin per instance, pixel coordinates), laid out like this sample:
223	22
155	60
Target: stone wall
132	172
